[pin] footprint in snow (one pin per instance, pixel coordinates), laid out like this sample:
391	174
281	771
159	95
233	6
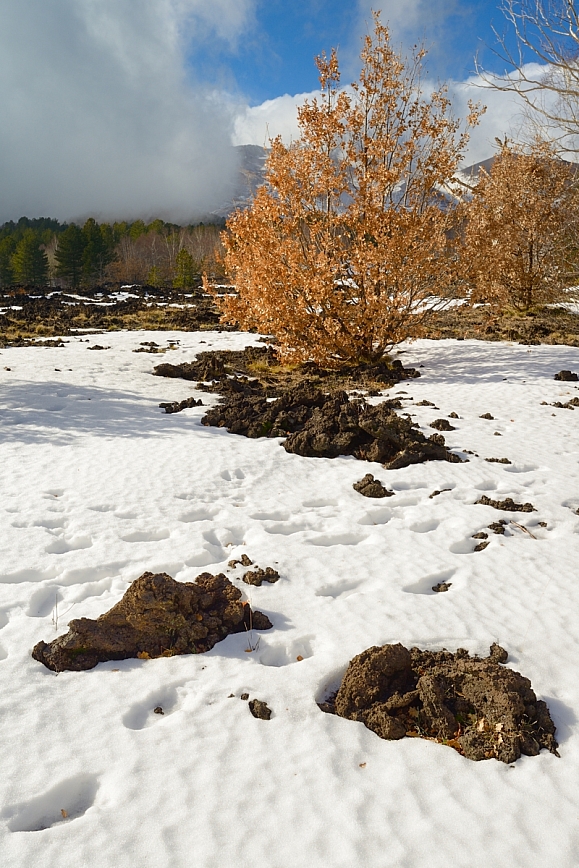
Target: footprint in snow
144	713
62	803
63	545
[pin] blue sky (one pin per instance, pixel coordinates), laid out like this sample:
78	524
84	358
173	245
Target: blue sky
275	54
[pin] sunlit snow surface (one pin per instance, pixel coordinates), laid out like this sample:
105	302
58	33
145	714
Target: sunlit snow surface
99	485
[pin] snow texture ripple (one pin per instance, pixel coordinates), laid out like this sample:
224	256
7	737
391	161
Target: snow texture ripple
99	485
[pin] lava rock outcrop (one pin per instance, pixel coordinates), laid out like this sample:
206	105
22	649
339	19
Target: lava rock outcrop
318	425
475	705
370	487
156	617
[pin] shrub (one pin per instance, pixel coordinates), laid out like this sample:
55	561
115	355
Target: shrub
342	250
520	243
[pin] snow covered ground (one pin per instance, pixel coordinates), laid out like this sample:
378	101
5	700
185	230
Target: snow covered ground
98	485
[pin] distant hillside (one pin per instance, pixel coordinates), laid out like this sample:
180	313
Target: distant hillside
252	174
470	174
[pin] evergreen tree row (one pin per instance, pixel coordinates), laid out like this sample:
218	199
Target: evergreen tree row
83	254
31	250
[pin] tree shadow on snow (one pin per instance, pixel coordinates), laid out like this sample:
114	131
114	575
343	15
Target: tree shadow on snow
60	412
481	362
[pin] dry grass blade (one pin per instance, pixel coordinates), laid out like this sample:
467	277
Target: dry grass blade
523	528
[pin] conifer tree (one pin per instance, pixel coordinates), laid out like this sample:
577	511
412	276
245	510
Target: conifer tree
30	262
345	245
99	250
7	248
184	270
154	277
69	255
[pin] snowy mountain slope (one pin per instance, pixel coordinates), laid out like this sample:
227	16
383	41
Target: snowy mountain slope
251	175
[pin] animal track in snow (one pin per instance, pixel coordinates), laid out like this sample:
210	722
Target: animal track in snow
142	714
272	515
200	514
228	477
407	486
91	574
318	504
521	468
284	655
54	492
43	601
380	515
211	553
286	529
27	576
225	536
464	547
62	803
147	535
211	537
338	539
62	545
407	500
51	523
425	526
425	585
337	590
486	485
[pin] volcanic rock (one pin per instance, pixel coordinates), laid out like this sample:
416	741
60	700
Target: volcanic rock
473	704
370	487
318	425
508	504
442	425
259	709
258	576
156	617
177	406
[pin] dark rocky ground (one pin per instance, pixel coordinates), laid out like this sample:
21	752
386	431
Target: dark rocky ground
51	311
547	326
311	409
319	425
32	313
475	705
257	371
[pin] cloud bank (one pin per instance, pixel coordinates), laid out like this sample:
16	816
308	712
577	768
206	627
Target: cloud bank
98	115
254	125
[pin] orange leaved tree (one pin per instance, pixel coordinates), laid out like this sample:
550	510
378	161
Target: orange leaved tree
520	239
344	249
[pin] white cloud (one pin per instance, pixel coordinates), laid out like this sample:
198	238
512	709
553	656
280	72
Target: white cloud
504	116
404	18
256	125
411	22
97	113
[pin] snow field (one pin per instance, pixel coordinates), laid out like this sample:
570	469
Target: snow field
100	485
